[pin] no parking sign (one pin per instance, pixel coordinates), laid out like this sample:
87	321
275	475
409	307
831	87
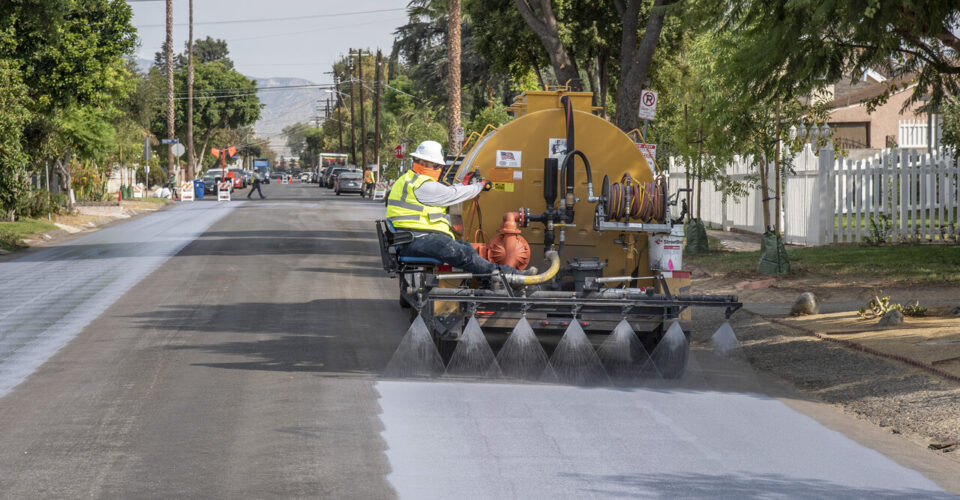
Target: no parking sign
648	105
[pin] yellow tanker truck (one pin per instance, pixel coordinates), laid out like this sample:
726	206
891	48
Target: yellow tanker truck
608	251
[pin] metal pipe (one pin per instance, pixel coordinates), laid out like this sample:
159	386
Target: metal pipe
459	276
519	279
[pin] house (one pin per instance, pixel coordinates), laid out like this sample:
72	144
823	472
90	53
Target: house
889	125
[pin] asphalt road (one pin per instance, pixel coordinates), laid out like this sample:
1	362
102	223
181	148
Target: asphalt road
234	351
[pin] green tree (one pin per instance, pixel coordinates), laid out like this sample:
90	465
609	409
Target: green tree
70	55
224	100
789	48
13	117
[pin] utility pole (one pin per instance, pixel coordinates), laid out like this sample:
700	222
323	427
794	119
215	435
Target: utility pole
191	165
376	112
353	127
453	80
339	111
363	128
170	111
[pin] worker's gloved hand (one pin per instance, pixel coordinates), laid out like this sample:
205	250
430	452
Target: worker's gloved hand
472	178
487	185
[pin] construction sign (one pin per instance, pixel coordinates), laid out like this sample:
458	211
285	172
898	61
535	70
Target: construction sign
648	105
186	191
380	192
223	191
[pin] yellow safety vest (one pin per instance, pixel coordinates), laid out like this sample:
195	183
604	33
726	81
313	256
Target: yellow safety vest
368	177
404	211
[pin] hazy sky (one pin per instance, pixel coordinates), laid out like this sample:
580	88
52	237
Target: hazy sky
275	38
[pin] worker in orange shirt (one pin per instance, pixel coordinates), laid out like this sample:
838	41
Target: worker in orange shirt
368	181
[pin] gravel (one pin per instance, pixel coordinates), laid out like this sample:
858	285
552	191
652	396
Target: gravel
886	393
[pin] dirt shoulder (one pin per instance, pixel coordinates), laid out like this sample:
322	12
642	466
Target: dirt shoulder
879	374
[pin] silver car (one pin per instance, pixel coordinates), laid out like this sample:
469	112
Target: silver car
349	181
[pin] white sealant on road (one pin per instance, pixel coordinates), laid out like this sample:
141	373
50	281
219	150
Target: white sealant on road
497	441
49	296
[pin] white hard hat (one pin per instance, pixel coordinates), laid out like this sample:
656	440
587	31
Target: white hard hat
429	151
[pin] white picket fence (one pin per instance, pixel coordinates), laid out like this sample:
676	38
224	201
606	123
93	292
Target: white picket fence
913	133
827	200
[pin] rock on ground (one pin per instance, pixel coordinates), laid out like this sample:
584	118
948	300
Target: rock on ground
891	317
806	304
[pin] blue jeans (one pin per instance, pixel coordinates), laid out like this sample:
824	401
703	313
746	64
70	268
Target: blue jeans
459	254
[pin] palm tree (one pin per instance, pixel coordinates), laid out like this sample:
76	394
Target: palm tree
453	82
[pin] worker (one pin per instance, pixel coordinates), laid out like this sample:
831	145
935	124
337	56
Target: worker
418	203
256	185
368	182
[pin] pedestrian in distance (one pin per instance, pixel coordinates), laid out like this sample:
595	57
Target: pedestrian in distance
256	185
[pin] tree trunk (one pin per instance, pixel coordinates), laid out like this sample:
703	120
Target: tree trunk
765	191
536	69
538	14
191	156
777	166
592	76
170	111
353	126
66	179
635	60
604	77
376	113
453	76
363	125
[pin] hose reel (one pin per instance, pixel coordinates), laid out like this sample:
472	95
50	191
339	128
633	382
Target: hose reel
647	200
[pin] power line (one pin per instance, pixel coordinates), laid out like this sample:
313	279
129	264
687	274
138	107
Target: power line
269	19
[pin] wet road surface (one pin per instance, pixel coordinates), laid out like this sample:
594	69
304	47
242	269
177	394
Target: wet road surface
234	351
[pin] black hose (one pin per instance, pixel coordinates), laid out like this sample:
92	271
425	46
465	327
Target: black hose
566	170
568	116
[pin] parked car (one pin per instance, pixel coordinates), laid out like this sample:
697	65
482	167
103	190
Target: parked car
210	180
334	172
349	181
236	175
322	176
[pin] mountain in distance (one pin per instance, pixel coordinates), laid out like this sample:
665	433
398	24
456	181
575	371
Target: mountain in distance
284	107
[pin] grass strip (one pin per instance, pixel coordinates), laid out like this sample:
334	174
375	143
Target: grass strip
900	263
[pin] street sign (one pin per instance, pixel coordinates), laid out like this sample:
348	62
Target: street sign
169	141
399	150
458	134
649	152
146	150
178	150
648	105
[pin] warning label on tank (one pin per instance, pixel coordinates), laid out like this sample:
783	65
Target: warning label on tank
503	186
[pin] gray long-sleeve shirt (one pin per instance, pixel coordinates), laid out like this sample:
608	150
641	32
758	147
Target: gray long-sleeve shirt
435	194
